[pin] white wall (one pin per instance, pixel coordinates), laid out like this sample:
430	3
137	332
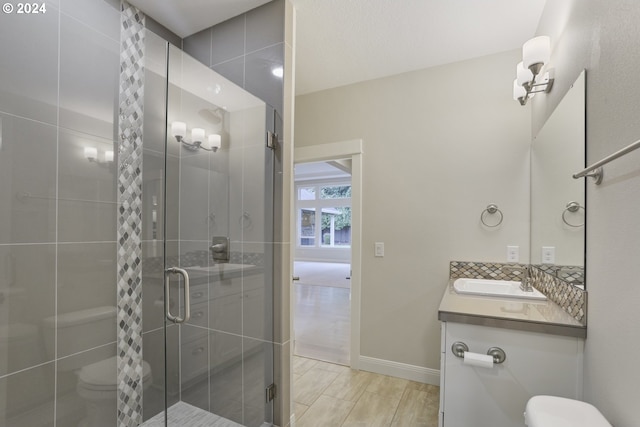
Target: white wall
437	150
603	36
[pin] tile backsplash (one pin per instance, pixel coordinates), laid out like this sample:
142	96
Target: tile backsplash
550	280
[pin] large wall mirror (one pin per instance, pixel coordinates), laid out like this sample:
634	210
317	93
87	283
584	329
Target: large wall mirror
557	200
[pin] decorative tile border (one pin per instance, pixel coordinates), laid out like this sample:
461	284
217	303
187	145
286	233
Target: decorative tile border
203	258
482	270
569	273
129	244
573	300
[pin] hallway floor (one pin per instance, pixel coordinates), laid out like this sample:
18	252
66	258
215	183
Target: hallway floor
327	394
322	322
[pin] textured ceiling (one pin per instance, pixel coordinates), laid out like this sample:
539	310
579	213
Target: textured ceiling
340	42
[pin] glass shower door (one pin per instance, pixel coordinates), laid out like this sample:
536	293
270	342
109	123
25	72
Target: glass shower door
217	182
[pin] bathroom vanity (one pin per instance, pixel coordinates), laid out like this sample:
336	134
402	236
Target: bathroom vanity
543	348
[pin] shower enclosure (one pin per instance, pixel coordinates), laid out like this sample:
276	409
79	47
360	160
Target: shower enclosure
136	230
207	212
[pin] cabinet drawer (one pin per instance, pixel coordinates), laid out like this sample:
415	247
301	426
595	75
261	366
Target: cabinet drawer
195	359
197	325
199	294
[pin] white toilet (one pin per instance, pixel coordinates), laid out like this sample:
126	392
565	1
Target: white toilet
97	385
96	370
553	411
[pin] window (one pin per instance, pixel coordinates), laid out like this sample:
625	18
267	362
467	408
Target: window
324	215
307	222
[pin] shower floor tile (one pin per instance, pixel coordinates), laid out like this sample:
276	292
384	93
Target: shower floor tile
185	415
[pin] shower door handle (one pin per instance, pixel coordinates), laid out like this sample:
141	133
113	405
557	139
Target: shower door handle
187	295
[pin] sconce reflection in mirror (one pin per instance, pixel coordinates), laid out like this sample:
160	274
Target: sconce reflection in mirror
198	142
91	154
574	208
532	76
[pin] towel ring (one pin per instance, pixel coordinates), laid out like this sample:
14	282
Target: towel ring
572	207
245	220
491	209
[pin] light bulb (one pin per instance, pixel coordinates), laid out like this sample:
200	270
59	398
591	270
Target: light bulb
525	76
197	135
518	91
536	52
91	153
215	141
179	129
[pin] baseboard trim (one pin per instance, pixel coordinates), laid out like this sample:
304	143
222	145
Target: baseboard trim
400	370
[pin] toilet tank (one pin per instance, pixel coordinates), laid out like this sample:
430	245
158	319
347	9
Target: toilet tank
79	331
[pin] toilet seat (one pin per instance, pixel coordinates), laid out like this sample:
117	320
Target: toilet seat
553	411
103	375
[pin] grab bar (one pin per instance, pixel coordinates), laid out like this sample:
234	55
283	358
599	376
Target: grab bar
187	296
595	170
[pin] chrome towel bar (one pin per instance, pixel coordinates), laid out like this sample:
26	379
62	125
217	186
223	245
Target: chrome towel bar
595	170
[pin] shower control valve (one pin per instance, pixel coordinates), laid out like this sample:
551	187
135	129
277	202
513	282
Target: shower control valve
220	249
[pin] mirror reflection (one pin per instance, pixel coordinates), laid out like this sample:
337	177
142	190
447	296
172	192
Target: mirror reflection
557	200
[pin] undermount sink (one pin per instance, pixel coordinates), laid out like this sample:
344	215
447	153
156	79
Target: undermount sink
495	288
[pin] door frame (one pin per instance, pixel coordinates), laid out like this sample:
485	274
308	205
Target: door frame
350	149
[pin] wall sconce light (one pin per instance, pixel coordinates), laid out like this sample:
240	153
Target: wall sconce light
530	78
198	140
91	154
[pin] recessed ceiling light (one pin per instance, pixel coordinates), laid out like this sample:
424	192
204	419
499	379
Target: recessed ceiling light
277	71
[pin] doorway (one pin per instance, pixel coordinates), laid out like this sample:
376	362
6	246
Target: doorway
322	261
345	154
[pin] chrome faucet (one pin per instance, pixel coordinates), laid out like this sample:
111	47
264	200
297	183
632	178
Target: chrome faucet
525	284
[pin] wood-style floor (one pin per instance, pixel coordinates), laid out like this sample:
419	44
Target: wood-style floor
330	395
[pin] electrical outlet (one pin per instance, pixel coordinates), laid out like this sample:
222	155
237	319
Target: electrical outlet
513	253
548	255
379	249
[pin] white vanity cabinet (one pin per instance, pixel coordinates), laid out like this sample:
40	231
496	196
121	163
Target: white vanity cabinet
536	363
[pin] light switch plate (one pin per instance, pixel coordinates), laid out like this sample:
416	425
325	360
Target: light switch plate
513	253
379	249
548	255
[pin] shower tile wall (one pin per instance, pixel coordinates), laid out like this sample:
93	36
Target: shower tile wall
58	90
58	96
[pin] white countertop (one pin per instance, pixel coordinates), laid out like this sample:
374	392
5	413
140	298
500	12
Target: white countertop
529	315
